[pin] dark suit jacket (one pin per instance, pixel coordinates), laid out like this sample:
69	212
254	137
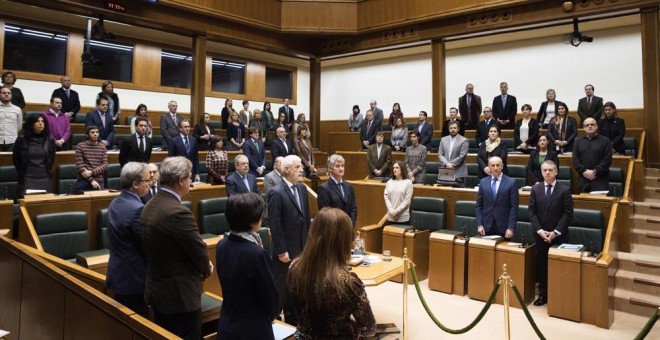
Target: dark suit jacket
595	111
106	133
291	117
149	196
116	108
507	112
383	164
250	296
256	158
534	168
168	128
235	185
571	133
553	216
70	103
289	224
542	111
368	134
178	149
178	258
469	115
482	130
277	148
378	118
425	135
127	267
129	150
200	130
502	209
330	196
483	156
533	133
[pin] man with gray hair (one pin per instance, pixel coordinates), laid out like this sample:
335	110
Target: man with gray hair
497	202
178	258
169	122
289	218
127	267
335	192
154	174
241	180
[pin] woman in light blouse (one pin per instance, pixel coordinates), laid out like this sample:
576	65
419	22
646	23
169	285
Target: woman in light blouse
526	132
304	150
398	195
548	109
141	111
216	162
399	135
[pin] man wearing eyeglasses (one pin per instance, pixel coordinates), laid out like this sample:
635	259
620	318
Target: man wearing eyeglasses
127	267
592	158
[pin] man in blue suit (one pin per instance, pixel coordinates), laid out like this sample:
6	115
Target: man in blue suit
103	120
241	180
186	146
497	202
255	151
127	267
425	130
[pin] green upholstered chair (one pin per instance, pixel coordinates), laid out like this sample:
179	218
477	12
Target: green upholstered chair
519	174
63	234
630	144
102	225
66	178
127	120
473	146
119	138
617	180
427	213
465	219
524	231
472	180
431	173
264	233
77	138
8	182
564	176
435	144
586	227
112	176
80	117
211	217
509	144
188	205
203	173
156	141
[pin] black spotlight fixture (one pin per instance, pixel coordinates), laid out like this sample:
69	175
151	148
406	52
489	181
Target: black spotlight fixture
576	37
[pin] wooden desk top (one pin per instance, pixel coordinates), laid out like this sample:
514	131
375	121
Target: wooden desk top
379	272
513	248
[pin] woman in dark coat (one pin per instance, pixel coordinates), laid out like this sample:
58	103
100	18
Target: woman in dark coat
613	127
34	154
493	146
204	132
562	130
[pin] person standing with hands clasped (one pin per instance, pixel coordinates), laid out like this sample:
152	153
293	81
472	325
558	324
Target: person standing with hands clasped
497	202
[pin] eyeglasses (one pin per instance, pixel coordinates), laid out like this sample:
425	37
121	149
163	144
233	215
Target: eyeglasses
590	124
144	180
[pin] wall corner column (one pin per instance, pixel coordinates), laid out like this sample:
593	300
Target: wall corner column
650	18
198	88
438	81
315	99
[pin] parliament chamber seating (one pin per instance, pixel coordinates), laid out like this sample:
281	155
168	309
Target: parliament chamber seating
472	180
519	174
112	176
66	178
435	144
77	138
102	225
564	176
119	138
586	228
631	146
203	173
473	146
211	217
524	231
8	182
156	141
431	172
80	117
188	205
427	213
127	120
63	234
509	144
617	180
465	218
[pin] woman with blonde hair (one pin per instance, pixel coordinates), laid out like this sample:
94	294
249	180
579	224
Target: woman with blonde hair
324	294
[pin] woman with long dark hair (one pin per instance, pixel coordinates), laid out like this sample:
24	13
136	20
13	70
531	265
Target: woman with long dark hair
396	113
34	155
324	294
542	153
562	130
492	146
216	162
141	111
204	131
398	195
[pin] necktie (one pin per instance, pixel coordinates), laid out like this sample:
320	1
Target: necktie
174	118
247	185
142	143
256	145
67	92
469	100
341	188
493	187
295	194
588	103
368	126
102	119
503	101
285	147
186	144
153	191
548	194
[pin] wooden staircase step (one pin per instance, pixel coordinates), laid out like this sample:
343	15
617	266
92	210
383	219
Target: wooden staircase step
653	235
647	282
643	303
647	264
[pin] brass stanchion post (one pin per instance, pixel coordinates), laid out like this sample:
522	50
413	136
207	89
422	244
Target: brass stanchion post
406	263
505	281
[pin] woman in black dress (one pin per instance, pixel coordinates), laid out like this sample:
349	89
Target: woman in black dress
34	154
493	146
203	132
541	154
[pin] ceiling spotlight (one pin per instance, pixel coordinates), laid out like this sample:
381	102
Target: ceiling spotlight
576	37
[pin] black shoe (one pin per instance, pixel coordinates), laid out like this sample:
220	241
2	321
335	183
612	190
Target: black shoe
540	301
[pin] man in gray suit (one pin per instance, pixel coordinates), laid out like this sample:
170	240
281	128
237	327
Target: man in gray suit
378	114
168	124
452	151
274	177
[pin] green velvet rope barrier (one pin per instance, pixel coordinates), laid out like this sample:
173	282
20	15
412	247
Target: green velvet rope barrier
437	322
526	311
647	328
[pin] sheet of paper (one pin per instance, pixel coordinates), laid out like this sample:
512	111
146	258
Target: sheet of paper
282	331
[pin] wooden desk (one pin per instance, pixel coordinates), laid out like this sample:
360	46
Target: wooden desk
521	268
379	272
6	218
212	283
97	263
397	238
459	266
595	287
564	277
481	267
441	261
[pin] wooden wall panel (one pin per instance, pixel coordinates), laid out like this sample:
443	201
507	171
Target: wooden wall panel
10	294
96	321
41	320
262	12
146	65
74	50
255	83
2	45
323	17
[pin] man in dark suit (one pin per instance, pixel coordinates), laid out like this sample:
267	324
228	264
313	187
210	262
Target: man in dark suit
288	111
505	107
255	151
368	130
241	180
550	211
497	202
425	130
453	117
289	218
335	192
186	146
592	158
127	267
469	106
154	175
178	258
70	100
169	123
379	157
590	105
281	146
378	114
102	119
136	148
483	126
